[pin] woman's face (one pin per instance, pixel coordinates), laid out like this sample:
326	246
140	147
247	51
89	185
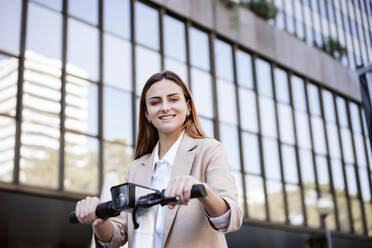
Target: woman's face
166	107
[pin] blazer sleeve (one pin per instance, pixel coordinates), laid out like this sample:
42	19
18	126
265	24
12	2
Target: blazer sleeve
221	181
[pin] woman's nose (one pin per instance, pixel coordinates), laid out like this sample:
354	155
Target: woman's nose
165	106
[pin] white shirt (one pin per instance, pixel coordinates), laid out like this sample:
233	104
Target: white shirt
160	179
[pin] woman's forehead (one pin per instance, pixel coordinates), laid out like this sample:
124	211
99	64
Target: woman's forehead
163	88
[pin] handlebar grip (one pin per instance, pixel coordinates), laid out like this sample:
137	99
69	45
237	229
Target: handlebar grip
198	191
72	218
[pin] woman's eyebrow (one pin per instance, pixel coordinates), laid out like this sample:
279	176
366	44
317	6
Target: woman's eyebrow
158	97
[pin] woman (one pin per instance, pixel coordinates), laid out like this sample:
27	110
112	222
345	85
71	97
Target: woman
173	152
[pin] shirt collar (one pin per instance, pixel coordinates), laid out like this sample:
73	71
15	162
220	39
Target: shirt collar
170	156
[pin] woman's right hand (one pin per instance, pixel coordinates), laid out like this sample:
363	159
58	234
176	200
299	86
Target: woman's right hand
85	211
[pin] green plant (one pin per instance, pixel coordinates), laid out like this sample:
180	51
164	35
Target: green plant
332	47
262	8
229	3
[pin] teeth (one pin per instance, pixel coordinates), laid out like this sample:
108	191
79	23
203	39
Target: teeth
166	117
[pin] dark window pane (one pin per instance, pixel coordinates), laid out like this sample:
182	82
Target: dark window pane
48	25
174	38
255	197
244	69
147	25
226	102
81	105
82	50
229	139
81	164
199	49
116	17
251	153
8	85
84	10
147	63
10	24
248	110
271	159
7	142
202	92
276	202
117	63
117	116
223	60
263	74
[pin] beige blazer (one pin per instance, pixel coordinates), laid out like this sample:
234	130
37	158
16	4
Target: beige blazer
187	226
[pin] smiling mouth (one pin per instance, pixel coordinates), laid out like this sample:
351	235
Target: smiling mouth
166	117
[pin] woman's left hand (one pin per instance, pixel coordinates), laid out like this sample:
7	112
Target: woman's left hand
180	187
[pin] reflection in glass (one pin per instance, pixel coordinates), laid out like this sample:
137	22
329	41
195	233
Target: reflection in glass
7	142
207	126
322	170
117	157
294	204
248	110
10	24
311	209
226	102
174	38
179	68
328	106
81	105
351	180
8	85
82	50
343	215
116	17
318	135
307	169
117	116
251	153
271	159
87	12
286	123
313	95
302	129
356	213
146	25
267	117
229	139
223	60
199	49
81	163
338	177
341	111
44	23
244	69
289	164
201	86
354	116
117	62
333	140
281	85
275	200
347	145
263	74
255	197
147	63
298	93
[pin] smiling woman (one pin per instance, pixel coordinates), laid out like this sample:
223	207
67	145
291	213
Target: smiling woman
174	150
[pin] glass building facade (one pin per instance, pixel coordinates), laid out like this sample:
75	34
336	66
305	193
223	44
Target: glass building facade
71	74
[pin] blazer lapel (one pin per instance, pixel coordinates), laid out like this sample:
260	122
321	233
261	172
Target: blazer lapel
182	166
145	174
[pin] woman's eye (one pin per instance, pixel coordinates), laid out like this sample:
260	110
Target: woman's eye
174	100
154	103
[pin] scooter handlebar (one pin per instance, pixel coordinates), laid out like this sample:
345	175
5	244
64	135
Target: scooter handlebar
104	211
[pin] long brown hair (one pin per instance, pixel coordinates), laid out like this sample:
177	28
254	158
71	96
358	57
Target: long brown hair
148	134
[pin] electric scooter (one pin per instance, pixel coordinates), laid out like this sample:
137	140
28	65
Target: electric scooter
144	203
